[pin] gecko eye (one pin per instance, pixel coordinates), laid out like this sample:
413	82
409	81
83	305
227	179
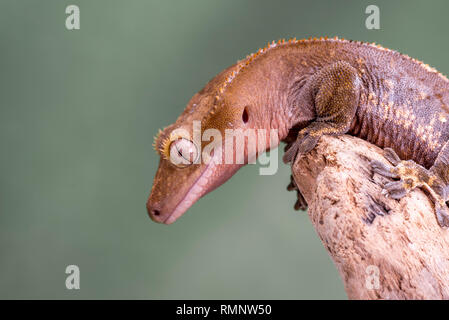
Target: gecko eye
183	152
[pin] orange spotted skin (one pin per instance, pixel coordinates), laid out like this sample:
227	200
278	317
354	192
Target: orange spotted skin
307	88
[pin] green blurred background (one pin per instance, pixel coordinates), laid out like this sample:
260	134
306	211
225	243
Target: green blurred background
78	113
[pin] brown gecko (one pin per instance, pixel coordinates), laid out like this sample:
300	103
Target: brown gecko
305	89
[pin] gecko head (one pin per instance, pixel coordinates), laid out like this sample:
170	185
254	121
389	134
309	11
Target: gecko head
193	159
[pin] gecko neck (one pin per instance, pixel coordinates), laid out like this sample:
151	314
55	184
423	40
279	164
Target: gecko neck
273	88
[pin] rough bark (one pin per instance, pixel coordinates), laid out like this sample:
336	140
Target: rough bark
407	247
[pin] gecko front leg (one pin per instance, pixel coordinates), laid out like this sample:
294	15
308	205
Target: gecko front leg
334	93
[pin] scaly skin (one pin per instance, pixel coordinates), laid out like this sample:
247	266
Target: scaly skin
308	88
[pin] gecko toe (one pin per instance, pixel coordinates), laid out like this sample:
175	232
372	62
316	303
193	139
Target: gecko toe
383	169
290	154
303	144
292	185
391	156
395	189
307	143
369	218
300	203
378	209
375	208
442	213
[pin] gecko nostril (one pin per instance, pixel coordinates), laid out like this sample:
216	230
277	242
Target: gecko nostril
156	212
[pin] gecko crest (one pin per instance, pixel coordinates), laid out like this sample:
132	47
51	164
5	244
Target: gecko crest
244	63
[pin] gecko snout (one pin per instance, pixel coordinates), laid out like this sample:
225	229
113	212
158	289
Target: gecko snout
155	212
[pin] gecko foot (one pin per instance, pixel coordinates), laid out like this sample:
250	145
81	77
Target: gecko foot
408	175
300	203
306	141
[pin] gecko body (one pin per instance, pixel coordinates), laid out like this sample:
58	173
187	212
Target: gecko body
305	89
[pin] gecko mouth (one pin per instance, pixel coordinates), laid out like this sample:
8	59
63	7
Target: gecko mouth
194	193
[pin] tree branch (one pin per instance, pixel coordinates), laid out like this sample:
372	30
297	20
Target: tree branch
406	248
